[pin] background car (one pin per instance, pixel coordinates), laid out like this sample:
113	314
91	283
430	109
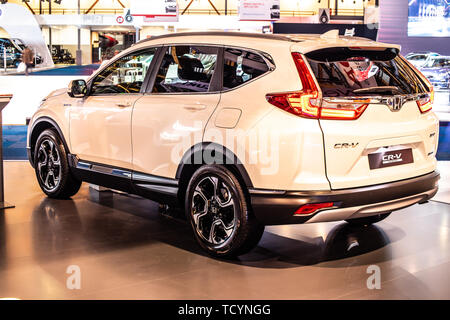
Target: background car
418	59
437	70
14	48
171	6
61	55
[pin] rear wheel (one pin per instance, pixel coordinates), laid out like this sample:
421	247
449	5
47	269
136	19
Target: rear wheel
219	213
52	168
366	221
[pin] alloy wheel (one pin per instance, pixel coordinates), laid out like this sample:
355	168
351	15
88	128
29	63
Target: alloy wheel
49	165
214	211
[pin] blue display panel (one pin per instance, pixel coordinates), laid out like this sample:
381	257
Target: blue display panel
429	18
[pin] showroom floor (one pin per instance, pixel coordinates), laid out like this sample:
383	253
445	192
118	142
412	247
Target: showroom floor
126	250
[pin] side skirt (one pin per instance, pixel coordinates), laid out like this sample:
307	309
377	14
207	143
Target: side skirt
156	188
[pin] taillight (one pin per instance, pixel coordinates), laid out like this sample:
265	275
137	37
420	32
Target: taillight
297	103
313	207
426	103
337	111
307	103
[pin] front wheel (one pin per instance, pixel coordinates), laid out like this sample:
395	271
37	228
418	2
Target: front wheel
219	213
366	221
52	168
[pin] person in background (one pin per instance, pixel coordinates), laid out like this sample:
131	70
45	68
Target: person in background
27	58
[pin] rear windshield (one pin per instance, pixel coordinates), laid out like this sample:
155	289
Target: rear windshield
345	72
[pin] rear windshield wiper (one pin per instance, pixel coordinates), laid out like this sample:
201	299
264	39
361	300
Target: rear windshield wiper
392	89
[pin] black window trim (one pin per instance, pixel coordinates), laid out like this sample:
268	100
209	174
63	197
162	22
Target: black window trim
146	78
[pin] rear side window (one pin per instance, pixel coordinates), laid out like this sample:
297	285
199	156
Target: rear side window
241	66
344	72
186	69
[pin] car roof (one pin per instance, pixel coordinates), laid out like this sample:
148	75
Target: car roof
422	52
298	42
263	36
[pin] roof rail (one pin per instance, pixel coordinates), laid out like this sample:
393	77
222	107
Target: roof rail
221	33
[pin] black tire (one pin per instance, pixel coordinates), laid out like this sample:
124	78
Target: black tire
52	168
366	221
216	214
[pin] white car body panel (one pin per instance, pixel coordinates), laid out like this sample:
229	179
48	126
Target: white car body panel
379	127
143	135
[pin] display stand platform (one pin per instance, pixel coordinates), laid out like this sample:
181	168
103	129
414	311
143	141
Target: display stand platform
4	100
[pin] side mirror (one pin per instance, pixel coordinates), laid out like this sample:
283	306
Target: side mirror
77	89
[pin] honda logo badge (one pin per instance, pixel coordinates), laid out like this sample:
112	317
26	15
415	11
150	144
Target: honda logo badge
396	103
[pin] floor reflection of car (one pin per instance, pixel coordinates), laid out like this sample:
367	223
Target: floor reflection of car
437	70
418	59
171	6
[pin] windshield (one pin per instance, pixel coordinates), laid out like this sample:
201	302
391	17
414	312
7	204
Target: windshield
345	72
438	63
417	58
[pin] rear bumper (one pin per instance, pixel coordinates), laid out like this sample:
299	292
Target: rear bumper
273	207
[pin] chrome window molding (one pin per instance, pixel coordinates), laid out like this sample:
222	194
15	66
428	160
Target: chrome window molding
394	102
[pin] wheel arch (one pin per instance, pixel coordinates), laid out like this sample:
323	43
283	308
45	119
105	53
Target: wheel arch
188	165
41	124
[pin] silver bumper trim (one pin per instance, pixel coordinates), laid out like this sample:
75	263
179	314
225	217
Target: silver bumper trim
371	209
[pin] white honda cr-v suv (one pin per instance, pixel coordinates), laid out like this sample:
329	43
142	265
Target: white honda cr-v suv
246	130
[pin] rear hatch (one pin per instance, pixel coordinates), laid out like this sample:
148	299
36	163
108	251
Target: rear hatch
374	114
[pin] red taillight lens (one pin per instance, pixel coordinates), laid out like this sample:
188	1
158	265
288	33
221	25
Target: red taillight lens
313	207
347	111
305	103
308	103
309	86
425	104
295	102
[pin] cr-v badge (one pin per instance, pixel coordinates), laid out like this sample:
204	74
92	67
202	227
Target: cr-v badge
346	145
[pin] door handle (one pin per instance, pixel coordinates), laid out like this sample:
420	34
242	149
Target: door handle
123	105
194	107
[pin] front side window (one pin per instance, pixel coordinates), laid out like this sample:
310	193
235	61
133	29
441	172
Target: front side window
186	69
125	75
241	66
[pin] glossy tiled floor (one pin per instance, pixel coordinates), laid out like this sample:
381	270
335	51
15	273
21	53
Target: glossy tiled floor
126	250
